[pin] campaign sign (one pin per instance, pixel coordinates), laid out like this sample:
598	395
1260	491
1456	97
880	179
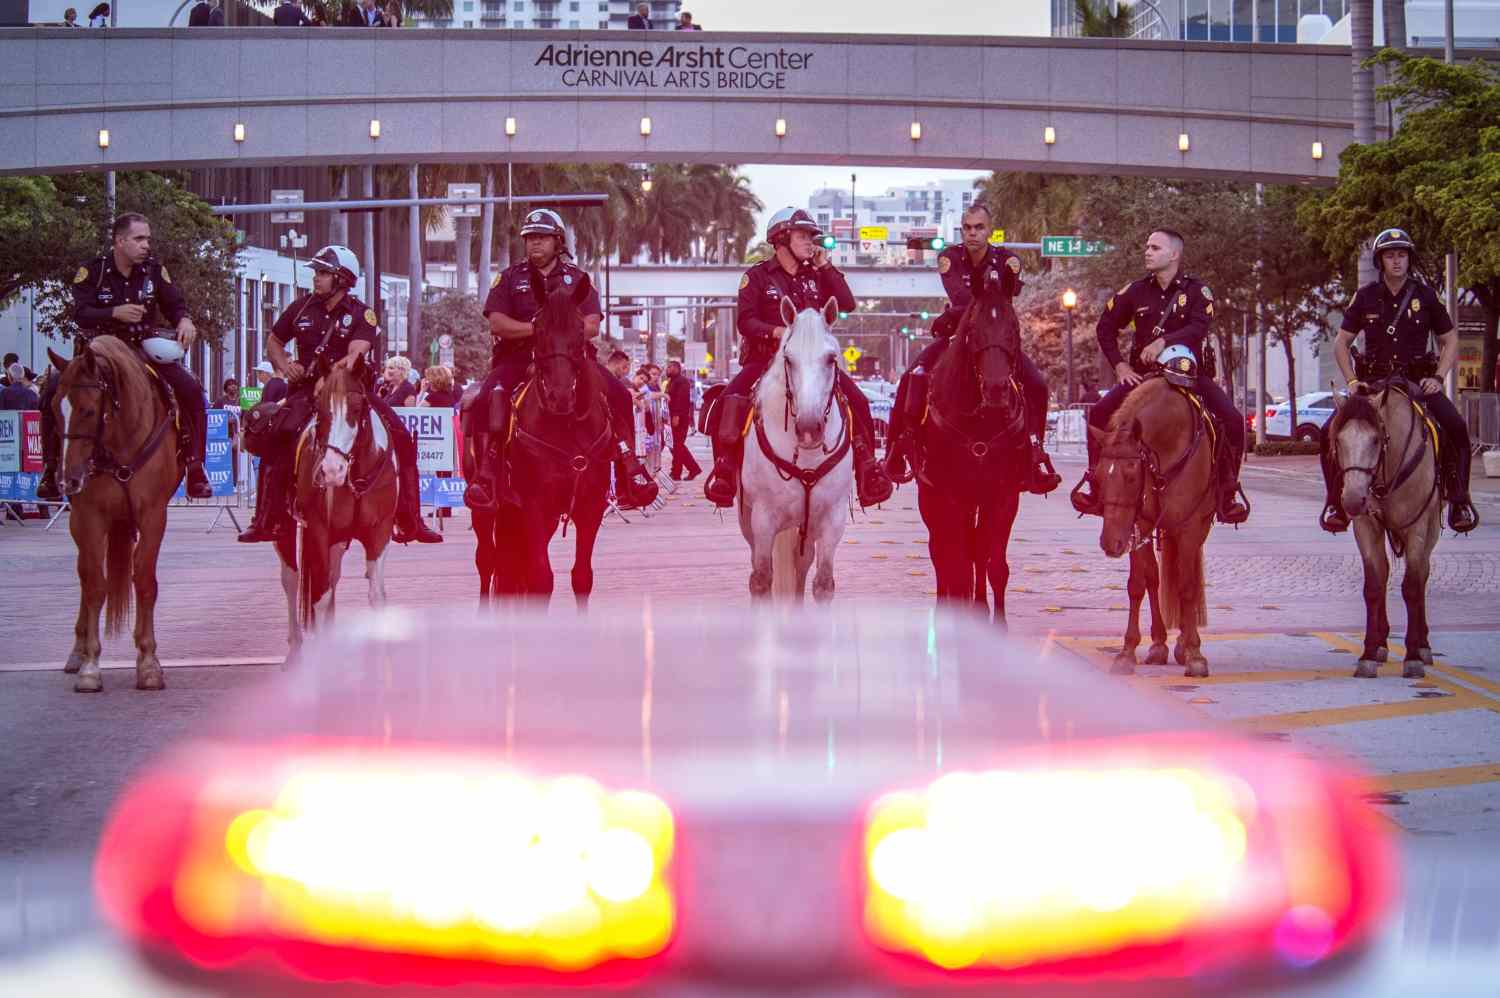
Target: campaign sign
433	431
10	440
218	424
18	486
31	441
443	493
8	484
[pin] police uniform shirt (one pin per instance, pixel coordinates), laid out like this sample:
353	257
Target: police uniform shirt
512	294
761	291
99	288
1142	304
1373	309
306	321
957	269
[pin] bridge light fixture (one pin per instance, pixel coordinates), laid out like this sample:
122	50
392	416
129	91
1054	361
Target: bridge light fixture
1182	142
916	131
1049	135
646	125
104	138
374	128
1070	299
780	128
239	131
1317	150
510	126
645	181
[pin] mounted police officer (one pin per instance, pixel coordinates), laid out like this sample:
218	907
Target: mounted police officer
1397	314
510	308
332	328
799	270
957	265
127	293
1168	310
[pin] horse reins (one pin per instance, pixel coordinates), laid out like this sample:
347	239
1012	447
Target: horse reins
1161	480
808	478
580	461
358	486
1381	489
101	461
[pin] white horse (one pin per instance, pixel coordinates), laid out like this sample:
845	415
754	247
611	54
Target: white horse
798	470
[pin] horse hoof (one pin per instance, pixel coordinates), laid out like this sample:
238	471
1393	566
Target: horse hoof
89	684
1382	654
74	663
151	680
1426	656
1157	655
1123	665
1366	669
1413	670
1180	654
1197	667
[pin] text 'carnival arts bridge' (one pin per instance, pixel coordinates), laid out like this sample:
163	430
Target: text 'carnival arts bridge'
224	97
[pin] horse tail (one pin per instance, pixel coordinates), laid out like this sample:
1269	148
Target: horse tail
784	564
1179	568
119	559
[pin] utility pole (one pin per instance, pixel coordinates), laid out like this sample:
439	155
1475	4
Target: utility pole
486	232
1451	263
414	264
372	287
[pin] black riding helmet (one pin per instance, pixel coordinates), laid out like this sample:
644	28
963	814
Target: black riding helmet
1391	239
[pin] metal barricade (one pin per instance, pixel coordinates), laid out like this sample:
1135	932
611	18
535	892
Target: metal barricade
1481	411
1070	429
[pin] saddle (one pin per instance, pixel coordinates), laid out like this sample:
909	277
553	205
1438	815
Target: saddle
271	428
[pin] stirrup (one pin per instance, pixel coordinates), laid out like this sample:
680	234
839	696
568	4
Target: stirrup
1086	503
1462	516
1333	518
899	467
722	484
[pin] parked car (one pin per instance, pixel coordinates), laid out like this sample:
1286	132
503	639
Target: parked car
1314	410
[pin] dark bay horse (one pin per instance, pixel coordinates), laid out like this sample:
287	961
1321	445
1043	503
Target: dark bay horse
1387	455
971	449
1156	479
345	487
559	455
120	468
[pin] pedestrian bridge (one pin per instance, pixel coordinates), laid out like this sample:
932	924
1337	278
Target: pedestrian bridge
273	96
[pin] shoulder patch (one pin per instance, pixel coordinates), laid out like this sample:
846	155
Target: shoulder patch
166	276
81	276
943	264
370	318
744	281
1208	293
496	282
1109	304
1014	263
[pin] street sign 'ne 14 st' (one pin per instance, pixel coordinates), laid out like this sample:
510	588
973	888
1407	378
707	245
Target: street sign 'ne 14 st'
1072	246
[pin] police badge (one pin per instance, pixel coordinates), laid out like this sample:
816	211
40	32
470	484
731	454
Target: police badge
1416	306
1182	301
347	321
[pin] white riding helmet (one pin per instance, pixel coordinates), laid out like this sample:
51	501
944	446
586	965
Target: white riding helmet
339	261
1179	365
163	350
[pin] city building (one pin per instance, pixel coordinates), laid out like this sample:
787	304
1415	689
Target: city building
1476	22
569	15
932	209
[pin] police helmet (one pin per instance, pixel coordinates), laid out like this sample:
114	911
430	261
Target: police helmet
546	222
787	220
339	261
1179	365
162	349
1390	239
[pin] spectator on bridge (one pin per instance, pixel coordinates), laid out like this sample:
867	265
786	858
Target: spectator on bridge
70	17
198	16
641	19
392	16
289	15
370	15
685	23
99	16
18	393
395	388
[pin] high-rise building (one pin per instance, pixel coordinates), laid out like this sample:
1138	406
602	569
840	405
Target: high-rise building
1476	22
932	209
568	15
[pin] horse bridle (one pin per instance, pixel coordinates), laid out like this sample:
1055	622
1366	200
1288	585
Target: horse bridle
1012	352
1161	480
101	460
358	486
1379	488
788	405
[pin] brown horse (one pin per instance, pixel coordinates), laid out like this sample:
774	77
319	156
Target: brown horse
482	522
120	468
971	452
1156	479
1387	455
345	491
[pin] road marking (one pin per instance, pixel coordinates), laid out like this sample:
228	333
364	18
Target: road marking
1438	779
1267	676
1398	651
1364	712
182	663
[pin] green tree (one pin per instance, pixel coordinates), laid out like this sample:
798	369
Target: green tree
1438	177
1044	325
460	317
1095	20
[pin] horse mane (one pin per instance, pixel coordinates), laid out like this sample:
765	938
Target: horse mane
339	381
1355	407
128	370
1131	409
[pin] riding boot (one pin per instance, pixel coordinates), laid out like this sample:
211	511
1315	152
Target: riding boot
484	492
197	484
1041	477
1333	518
194	442
47	488
1462	516
1085	496
634	486
900	455
270	504
729	431
871	483
409	523
1232	509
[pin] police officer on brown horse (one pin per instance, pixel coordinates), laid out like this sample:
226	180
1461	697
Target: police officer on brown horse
1397	314
799	270
512	304
958	265
127	293
331	327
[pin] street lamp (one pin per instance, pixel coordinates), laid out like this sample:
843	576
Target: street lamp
1069	303
645	182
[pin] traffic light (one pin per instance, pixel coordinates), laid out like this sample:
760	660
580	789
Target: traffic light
926	243
925	315
905	330
938	243
843	315
828	242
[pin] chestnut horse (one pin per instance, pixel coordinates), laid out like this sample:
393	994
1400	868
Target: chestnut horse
1156	479
345	488
971	452
120	468
1387	455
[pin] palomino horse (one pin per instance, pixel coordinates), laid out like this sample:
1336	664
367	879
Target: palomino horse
970	454
559	456
345	488
1387	455
120	468
794	487
1156	479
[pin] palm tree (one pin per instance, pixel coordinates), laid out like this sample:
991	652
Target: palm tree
1031	205
729	207
1095	20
